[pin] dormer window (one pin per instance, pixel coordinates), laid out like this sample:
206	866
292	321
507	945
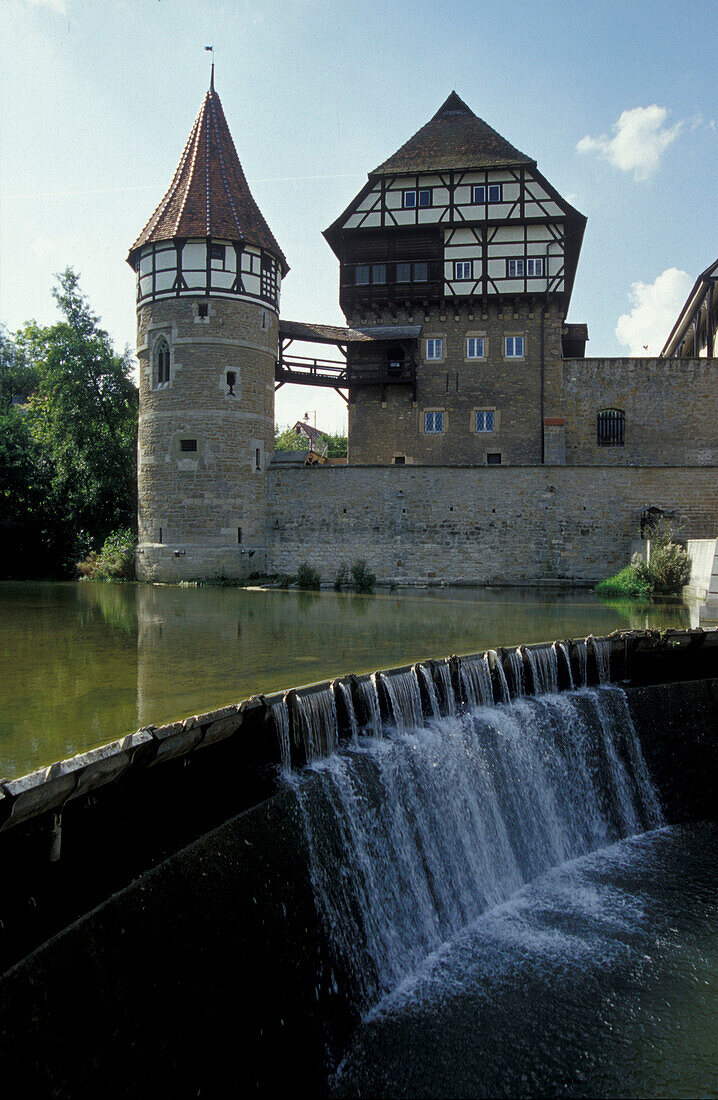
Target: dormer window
162	363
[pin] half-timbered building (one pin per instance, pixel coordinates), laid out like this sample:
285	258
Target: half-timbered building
459	233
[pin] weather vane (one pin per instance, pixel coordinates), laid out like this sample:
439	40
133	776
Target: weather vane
211	79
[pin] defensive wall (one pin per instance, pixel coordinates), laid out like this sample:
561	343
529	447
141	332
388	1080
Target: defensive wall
198	963
482	525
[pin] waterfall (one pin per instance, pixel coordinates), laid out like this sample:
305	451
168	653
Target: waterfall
317	720
496	663
413	839
280	714
564	651
475	676
544	669
447	687
402	689
582	653
348	707
602	651
516	667
430	686
367	691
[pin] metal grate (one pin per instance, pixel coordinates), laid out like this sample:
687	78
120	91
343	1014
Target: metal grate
611	428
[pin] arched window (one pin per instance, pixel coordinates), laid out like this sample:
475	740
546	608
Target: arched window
162	362
611	428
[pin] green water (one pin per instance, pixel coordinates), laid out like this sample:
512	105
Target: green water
85	663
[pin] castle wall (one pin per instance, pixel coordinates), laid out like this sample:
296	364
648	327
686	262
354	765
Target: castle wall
671	409
384	425
486	525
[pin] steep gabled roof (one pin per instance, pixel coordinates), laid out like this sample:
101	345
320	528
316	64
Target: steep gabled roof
209	195
454	138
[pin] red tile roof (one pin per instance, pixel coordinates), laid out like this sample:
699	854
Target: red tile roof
209	195
454	138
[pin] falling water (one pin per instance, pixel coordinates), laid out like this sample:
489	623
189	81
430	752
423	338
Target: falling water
402	689
317	721
475	676
447	687
436	826
280	714
369	696
348	707
602	651
564	650
516	667
496	664
544	669
582	654
430	686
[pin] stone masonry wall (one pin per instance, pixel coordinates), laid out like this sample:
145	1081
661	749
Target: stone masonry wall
493	525
671	409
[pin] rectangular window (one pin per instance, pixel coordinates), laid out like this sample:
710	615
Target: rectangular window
409	200
400	460
362	275
516	268
433	423
475	347
435	349
421	272
611	428
403	273
485	420
425	197
216	252
494	192
203	309
378	273
494	459
187	445
514	347
462	269
534	267
480	194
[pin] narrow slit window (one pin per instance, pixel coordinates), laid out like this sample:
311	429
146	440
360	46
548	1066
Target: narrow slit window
258	458
163	363
239	534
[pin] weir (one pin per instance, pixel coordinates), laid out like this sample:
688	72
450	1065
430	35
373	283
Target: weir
380	816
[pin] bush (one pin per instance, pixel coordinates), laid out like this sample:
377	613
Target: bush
307	577
629	583
362	579
342	578
669	568
115	561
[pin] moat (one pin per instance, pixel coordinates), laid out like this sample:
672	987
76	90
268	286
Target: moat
85	663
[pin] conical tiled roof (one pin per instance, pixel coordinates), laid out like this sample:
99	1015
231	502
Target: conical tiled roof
209	195
454	138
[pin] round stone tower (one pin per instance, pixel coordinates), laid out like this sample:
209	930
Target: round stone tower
208	280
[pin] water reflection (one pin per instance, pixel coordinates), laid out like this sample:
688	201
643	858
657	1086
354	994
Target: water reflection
83	663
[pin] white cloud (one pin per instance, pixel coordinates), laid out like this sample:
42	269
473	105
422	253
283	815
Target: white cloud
59	6
655	308
640	139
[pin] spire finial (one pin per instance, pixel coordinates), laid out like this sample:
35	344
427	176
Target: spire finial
211	78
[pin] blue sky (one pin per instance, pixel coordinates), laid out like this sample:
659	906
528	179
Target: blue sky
614	100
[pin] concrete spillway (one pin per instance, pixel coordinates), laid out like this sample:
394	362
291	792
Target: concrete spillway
417	800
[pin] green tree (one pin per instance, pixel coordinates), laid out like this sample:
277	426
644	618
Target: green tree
80	429
286	439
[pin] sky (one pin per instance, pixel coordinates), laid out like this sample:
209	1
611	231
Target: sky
615	101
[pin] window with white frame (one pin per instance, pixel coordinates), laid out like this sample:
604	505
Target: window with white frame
463	269
534	267
435	348
482	192
494	190
479	193
485	420
475	347
433	423
515	269
514	347
421	197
